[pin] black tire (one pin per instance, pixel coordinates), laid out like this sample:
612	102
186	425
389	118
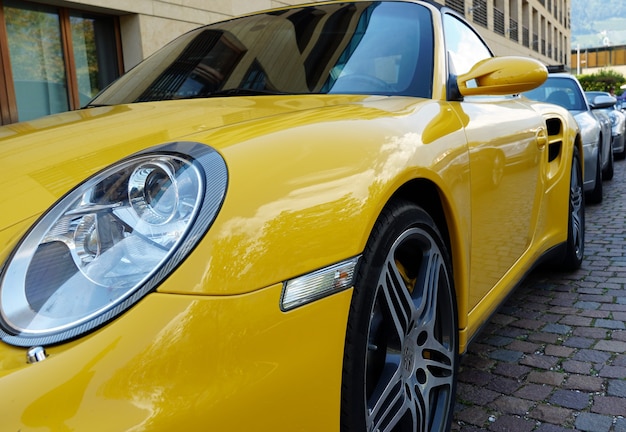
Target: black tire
595	196
401	354
607	173
575	247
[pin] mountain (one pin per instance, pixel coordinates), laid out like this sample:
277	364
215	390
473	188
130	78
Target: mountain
597	23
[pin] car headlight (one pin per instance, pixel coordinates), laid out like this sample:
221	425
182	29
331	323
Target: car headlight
108	242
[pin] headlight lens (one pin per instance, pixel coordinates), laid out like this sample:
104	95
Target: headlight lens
108	242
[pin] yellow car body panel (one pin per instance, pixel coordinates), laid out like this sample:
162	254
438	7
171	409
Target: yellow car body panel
248	244
308	177
138	373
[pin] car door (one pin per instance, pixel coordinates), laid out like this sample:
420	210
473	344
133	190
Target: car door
506	140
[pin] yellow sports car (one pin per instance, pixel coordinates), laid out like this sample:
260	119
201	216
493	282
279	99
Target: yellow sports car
290	221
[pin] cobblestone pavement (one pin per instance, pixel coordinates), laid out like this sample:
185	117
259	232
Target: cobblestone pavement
554	356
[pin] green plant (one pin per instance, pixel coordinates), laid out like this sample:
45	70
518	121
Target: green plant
605	80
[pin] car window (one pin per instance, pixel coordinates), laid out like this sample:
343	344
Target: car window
464	46
561	91
333	48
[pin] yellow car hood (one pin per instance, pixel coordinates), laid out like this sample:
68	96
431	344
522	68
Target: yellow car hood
305	175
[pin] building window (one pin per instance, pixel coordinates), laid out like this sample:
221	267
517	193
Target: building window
456	5
58	58
479	12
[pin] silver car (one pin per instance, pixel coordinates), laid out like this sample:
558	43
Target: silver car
618	123
564	89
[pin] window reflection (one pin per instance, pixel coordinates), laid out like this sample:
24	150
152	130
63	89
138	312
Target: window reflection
37	62
39	38
95	53
335	48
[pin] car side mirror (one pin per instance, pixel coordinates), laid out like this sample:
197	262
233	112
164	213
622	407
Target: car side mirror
502	76
602	101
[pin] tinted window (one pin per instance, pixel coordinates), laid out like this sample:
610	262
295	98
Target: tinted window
335	48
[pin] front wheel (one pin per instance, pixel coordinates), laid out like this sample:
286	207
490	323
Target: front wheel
400	359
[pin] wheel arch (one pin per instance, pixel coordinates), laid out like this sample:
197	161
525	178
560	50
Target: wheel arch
428	195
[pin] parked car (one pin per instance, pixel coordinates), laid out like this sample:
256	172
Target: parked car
563	89
618	123
297	219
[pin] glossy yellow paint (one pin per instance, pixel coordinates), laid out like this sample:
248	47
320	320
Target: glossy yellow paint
308	176
176	362
292	162
503	76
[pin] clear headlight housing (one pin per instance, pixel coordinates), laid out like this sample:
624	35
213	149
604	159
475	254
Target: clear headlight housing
108	242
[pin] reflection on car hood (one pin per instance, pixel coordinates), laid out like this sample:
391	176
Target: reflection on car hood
44	158
303	157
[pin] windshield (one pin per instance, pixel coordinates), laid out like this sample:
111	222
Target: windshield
358	48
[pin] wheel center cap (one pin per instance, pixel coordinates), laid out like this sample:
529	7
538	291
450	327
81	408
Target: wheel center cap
408	360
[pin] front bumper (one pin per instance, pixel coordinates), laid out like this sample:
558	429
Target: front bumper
180	362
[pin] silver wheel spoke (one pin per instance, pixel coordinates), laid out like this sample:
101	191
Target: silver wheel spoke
419	367
398	298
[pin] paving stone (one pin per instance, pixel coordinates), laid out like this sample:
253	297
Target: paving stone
609	405
546	427
584	383
590	332
510	423
474	415
587	305
617	388
576	321
511	370
593	422
596	313
570	399
619	335
552	318
540	361
473	376
557	328
558	351
613	372
523	346
550	338
549	378
551	414
498	341
620	425
528	324
611	346
578	342
503	385
506	355
535	392
619	360
476	395
591	356
574	366
476	362
610	324
512	405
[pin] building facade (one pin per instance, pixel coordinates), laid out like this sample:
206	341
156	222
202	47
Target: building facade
55	54
592	60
